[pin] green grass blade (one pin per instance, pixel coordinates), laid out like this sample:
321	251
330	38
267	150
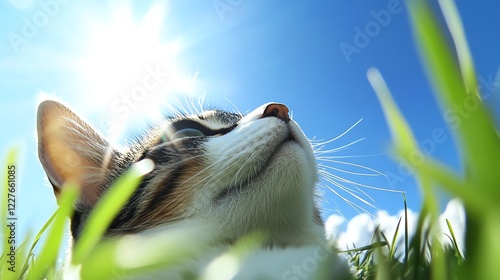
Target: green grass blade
416	255
48	256
107	208
464	56
400	131
438	267
22	254
35	242
383	268
378	234
372	246
454	242
474	126
392	248
406	231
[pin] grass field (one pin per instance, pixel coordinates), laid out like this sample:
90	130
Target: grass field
450	69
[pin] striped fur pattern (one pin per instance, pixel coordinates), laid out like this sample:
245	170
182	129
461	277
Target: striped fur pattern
235	173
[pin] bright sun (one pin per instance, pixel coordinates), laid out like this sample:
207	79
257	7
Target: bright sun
127	68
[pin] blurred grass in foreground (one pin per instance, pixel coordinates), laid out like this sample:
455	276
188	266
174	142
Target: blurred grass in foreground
454	81
450	69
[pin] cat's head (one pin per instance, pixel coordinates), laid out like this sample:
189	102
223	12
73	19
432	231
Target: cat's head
237	173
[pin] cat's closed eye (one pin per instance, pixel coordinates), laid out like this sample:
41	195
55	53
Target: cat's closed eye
184	128
187	132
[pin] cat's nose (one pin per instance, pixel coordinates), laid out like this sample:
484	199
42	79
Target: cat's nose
276	110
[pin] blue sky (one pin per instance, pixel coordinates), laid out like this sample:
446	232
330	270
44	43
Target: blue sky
312	56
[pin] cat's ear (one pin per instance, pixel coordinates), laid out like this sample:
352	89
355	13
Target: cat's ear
71	150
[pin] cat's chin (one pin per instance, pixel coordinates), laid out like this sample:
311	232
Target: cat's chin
290	154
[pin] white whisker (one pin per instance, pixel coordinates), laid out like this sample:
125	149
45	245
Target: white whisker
319	151
341	135
347	172
349	191
338	178
355	206
234	106
201	102
375	172
353	156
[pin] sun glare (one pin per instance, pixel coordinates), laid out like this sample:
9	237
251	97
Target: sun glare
128	67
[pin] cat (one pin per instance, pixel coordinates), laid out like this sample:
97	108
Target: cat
229	173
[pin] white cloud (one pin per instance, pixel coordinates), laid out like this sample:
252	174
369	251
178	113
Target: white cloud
332	224
360	229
